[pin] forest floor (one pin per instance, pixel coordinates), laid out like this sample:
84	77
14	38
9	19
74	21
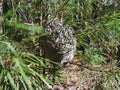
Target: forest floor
78	76
72	77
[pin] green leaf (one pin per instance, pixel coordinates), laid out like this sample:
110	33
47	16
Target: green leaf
30	27
11	79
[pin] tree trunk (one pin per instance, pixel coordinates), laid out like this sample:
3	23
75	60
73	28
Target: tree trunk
1	15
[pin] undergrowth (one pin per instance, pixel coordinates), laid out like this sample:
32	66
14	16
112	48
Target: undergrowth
96	24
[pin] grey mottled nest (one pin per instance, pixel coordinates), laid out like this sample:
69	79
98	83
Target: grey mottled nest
60	44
